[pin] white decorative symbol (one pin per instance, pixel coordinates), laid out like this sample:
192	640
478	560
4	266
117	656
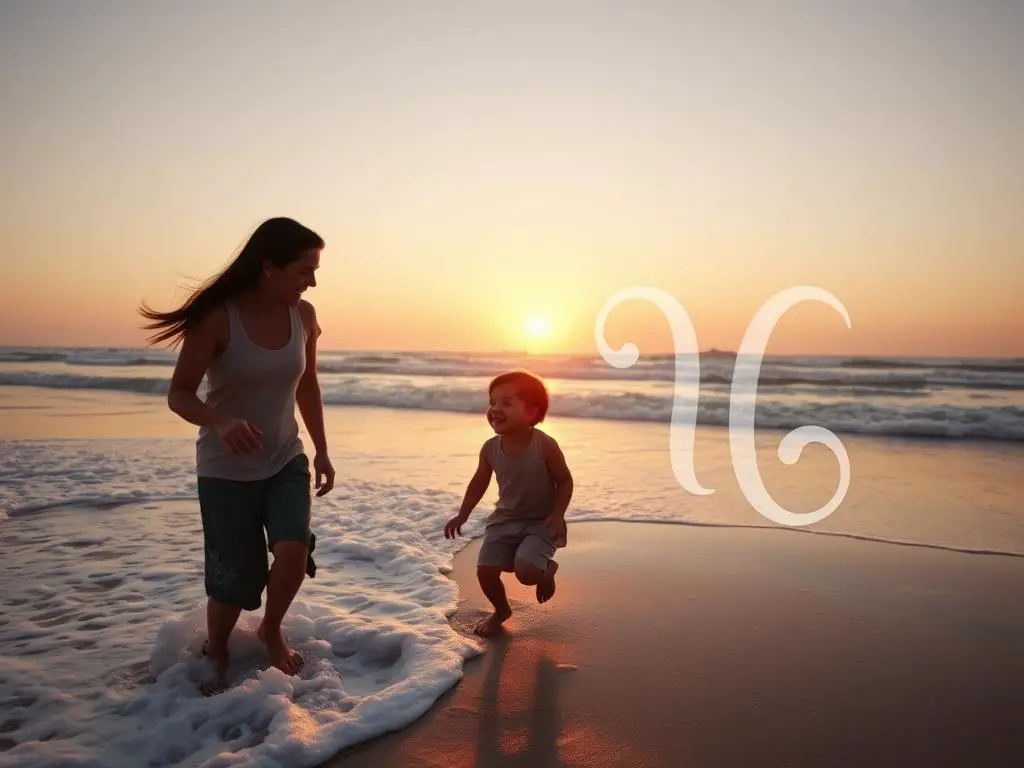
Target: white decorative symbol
682	431
742	400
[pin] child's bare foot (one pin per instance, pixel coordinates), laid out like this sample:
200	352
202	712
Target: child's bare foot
219	657
281	656
546	586
492	624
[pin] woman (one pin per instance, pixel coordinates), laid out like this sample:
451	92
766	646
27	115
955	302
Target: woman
254	337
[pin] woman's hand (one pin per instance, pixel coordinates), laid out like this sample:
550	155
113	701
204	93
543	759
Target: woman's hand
324	473
239	435
454	526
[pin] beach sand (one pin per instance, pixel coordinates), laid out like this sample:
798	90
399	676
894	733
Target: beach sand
666	645
678	646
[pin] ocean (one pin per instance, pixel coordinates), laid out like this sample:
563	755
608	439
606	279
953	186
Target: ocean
953	398
101	553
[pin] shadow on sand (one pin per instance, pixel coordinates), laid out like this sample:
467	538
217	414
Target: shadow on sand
505	713
518	726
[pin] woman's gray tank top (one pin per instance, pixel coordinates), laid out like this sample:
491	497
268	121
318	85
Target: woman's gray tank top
258	385
526	490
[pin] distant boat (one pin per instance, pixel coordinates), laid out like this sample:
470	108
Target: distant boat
718	353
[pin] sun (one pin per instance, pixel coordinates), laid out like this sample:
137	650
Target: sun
538	326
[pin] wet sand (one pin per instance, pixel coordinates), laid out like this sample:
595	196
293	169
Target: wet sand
683	646
671	645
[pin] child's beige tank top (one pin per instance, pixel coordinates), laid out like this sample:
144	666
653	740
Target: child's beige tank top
256	384
526	490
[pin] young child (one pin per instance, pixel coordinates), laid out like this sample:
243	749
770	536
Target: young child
534	489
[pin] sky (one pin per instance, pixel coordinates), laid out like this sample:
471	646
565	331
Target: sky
473	165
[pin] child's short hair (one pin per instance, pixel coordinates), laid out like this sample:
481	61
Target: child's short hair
529	388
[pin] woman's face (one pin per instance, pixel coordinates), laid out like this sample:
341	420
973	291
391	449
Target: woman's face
290	281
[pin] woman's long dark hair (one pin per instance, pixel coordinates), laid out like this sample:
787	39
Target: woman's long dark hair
279	241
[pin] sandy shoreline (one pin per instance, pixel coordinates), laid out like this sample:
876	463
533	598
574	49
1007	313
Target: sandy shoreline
667	644
676	646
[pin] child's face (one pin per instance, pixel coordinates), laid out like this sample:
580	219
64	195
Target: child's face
508	412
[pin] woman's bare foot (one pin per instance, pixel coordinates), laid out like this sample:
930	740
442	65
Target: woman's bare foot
219	657
281	656
546	586
492	624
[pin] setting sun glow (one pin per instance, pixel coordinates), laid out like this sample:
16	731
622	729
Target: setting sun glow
590	172
538	326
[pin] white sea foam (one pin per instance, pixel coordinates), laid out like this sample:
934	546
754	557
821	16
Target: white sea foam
101	581
103	620
953	399
867	409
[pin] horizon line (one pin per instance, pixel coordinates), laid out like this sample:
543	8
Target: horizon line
524	353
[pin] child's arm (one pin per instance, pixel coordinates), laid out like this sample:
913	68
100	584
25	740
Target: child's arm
475	491
555	460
